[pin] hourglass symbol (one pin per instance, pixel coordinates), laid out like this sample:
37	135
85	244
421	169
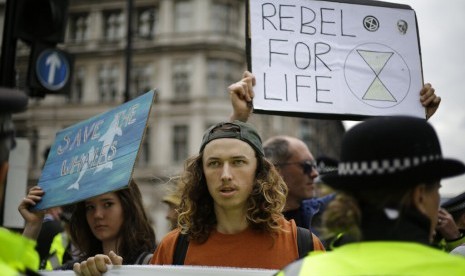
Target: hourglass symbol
377	75
377	61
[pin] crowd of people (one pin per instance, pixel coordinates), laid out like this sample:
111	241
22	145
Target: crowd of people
380	216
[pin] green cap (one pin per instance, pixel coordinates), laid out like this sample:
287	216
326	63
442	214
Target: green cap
236	130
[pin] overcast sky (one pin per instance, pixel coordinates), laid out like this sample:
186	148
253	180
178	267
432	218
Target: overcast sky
442	38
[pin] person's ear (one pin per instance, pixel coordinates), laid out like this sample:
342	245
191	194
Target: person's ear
419	193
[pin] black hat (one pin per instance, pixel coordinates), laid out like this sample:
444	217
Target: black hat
237	130
455	204
397	150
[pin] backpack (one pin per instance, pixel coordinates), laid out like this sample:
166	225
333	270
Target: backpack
304	245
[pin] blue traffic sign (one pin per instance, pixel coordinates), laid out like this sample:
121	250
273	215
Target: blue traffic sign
52	69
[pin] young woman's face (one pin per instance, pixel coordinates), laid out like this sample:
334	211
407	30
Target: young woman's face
105	217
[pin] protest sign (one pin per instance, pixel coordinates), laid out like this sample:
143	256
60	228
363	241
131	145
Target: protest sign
334	59
95	156
173	270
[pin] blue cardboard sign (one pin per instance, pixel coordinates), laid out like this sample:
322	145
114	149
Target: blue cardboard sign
95	156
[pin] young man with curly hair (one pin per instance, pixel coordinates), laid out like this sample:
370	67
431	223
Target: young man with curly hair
231	208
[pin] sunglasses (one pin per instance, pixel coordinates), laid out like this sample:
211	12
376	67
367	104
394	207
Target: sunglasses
307	165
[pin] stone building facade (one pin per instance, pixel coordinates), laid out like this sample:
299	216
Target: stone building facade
190	51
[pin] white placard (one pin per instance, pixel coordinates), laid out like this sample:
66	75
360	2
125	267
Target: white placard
169	270
329	58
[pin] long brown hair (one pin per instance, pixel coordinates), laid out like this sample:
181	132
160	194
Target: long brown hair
264	206
137	235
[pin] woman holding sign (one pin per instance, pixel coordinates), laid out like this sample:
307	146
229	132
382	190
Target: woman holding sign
111	224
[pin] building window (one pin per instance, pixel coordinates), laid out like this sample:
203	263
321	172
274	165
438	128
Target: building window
181	79
78	27
183	15
221	73
146	22
77	89
141	76
180	142
113	25
108	83
225	17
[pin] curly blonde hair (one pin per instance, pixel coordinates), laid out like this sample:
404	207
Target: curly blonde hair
264	206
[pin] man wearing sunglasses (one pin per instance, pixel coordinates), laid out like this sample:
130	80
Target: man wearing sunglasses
296	165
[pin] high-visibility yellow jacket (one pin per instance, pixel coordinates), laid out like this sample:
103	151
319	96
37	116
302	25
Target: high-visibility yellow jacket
17	253
57	250
378	258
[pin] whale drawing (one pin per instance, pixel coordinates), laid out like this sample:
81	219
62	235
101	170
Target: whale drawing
108	138
84	169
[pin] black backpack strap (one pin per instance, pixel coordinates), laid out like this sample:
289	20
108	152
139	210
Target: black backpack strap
304	241
144	258
180	251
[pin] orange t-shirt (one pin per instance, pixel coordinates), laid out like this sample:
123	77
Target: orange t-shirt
248	249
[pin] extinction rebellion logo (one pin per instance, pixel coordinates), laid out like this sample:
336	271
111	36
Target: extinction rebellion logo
371	23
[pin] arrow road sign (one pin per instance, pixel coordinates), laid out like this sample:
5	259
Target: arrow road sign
52	69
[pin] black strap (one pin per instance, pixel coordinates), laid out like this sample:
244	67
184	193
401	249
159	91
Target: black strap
144	258
180	251
304	241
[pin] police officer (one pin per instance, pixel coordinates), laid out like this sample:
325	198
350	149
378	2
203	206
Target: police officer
17	253
388	180
62	250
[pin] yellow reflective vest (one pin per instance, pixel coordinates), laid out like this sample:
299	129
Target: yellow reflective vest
17	253
57	250
378	258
